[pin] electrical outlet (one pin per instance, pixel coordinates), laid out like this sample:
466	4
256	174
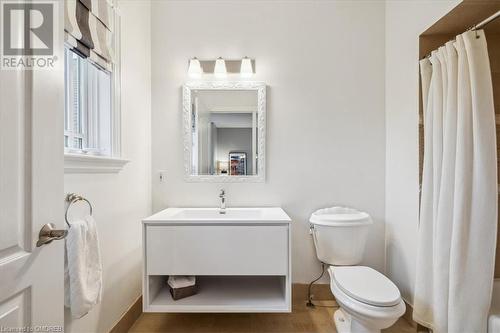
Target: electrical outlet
162	175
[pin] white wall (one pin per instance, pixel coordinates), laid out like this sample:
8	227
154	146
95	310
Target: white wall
121	200
324	64
405	21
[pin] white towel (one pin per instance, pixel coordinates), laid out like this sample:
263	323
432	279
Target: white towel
181	281
82	268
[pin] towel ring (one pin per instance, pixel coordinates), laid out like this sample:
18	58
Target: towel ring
72	198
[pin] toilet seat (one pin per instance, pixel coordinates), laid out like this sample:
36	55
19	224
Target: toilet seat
365	285
363	295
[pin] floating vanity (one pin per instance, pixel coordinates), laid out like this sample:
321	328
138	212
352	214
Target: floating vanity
241	259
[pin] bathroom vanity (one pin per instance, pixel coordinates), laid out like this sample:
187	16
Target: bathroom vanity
241	259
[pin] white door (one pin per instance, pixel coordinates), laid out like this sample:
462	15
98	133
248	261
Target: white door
31	195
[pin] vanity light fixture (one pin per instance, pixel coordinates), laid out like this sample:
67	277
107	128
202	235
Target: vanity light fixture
220	68
195	70
246	69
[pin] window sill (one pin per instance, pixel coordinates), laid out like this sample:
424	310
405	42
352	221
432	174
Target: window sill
78	163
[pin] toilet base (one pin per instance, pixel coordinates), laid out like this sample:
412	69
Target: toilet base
344	323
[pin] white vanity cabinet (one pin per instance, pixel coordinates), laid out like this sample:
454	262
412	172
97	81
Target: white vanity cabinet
241	259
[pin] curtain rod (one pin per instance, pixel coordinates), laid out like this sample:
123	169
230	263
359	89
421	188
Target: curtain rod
486	21
480	25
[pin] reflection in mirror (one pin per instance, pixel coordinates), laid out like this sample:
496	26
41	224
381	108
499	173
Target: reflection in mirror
224	132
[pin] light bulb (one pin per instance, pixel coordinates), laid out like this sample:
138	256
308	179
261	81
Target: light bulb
246	69
220	68
194	69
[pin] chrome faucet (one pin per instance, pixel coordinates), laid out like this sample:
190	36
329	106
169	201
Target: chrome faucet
222	196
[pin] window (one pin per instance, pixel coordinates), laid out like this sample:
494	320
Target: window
88	107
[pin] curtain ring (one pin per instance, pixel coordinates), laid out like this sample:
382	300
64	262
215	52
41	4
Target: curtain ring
475	31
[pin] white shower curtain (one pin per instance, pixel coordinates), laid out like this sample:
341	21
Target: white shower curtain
458	210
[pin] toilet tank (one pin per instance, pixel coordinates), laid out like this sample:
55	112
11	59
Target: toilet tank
340	234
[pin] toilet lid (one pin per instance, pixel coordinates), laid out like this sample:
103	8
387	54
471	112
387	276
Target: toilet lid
366	285
340	217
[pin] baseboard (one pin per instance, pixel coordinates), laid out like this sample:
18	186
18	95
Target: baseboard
129	317
319	291
408	316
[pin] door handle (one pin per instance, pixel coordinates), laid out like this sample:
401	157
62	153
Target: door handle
48	233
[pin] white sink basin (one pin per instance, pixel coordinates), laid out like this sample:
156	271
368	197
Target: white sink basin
264	214
211	213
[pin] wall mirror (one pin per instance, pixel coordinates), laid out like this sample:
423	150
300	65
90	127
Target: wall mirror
224	131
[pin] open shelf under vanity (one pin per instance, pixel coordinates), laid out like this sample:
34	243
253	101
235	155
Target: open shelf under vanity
222	294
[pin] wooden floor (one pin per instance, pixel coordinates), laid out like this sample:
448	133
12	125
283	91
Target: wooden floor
301	320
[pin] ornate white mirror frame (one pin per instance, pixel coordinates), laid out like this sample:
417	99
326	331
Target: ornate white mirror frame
260	87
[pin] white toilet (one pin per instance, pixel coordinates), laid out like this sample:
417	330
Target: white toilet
368	300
